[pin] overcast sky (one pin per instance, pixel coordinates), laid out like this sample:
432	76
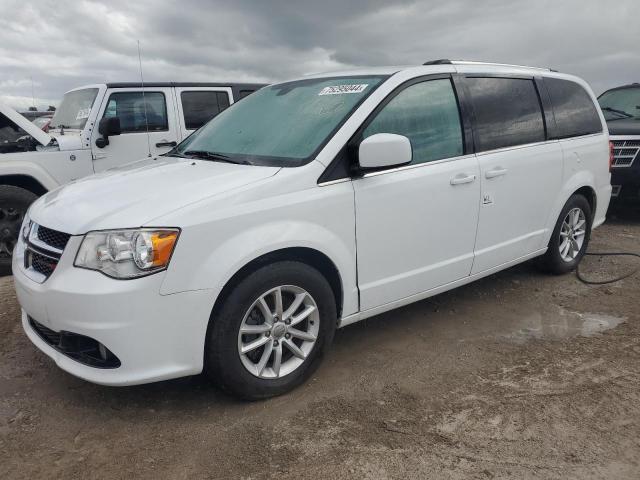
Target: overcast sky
65	44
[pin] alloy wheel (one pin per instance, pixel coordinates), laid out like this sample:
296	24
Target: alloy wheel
278	332
572	234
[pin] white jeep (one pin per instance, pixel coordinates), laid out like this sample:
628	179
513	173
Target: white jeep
95	128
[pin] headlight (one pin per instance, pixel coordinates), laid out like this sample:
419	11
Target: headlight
127	253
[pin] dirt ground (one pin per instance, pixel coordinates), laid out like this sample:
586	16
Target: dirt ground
520	375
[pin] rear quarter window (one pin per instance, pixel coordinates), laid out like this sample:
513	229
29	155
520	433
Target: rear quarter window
201	106
573	109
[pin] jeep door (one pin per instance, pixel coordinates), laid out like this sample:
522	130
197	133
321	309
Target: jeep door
148	125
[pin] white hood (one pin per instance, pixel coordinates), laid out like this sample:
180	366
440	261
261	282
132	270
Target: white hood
41	137
132	195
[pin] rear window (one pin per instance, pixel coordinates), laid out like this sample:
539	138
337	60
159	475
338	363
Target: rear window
507	112
573	109
201	106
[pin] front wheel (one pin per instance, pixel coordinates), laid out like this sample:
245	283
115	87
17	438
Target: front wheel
271	331
570	237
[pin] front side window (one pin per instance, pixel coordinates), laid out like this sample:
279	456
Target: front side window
74	109
138	111
427	114
507	112
573	109
284	124
200	107
621	103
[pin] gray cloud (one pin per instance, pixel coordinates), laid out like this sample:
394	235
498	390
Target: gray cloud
65	44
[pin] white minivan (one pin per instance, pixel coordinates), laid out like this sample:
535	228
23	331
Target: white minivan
310	205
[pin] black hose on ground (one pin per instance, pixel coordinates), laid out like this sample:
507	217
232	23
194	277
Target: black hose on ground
613	280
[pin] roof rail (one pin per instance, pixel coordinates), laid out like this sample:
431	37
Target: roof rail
442	61
445	61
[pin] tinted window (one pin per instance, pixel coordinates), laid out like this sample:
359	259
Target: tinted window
573	109
245	93
200	107
133	108
426	113
507	112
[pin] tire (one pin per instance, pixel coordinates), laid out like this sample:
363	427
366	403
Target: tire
553	261
14	203
241	374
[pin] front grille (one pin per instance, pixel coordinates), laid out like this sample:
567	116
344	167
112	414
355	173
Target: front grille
80	348
42	263
43	250
53	238
625	152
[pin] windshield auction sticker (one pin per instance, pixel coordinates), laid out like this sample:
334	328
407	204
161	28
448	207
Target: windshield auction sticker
83	113
342	89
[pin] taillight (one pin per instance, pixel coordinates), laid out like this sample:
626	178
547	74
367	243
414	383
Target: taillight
610	155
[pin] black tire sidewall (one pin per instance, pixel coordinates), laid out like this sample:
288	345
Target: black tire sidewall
222	360
554	261
21	199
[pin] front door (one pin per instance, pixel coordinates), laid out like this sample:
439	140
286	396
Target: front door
416	224
147	121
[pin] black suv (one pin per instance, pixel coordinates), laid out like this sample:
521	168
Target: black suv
621	108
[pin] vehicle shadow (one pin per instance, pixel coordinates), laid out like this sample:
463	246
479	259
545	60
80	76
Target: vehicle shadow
624	212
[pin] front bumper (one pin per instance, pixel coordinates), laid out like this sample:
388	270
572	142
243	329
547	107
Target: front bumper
155	337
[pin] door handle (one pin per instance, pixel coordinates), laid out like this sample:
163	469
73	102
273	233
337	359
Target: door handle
164	143
462	178
496	172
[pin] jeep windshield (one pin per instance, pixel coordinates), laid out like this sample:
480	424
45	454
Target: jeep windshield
621	103
74	110
280	125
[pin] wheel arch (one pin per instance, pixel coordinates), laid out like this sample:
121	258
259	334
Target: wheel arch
24	181
309	256
590	194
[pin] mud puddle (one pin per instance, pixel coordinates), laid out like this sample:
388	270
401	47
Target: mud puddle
563	323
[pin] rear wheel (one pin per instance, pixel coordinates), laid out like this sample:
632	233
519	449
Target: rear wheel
570	237
271	331
14	203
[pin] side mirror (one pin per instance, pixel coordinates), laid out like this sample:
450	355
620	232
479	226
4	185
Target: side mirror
108	127
384	150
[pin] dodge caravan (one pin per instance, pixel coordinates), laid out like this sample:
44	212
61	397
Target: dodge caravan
308	206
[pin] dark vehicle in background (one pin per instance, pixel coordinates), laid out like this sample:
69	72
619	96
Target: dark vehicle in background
621	108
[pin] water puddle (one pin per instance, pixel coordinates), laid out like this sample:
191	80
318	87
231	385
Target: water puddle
564	324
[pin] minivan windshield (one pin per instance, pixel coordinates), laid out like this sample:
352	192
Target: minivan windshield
280	125
74	110
621	103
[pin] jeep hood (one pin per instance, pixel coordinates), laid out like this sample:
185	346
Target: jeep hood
14	117
135	194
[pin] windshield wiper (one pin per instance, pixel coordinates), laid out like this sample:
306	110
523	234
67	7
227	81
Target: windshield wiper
214	156
619	112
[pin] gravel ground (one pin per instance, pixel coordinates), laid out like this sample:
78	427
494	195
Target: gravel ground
519	375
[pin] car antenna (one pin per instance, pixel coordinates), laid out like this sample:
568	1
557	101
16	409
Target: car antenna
144	102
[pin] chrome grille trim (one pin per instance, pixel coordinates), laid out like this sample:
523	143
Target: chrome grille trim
40	257
625	152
